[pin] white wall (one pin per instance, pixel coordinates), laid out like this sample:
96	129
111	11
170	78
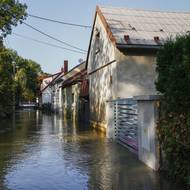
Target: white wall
130	75
46	96
136	74
70	108
56	97
101	88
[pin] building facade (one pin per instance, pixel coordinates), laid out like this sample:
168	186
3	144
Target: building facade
121	61
74	94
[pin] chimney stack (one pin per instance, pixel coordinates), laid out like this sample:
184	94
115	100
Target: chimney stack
65	67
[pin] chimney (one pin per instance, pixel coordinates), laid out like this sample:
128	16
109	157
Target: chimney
65	68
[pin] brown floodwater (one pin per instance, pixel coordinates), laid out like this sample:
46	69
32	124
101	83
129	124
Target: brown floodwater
46	152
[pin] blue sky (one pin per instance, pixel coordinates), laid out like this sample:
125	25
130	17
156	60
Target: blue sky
75	11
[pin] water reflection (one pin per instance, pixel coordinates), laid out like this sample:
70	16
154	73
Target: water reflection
48	152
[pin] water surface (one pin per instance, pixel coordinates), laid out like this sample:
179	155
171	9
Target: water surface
46	152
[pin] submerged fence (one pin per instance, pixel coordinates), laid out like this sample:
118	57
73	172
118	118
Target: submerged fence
125	121
132	123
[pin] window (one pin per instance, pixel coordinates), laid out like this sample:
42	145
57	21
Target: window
73	97
97	41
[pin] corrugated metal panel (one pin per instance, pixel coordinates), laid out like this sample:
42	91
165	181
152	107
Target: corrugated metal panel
125	119
142	26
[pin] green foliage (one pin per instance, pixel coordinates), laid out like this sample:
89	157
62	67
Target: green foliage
26	78
174	74
11	12
6	83
21	81
173	67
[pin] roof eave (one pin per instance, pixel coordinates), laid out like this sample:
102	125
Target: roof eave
138	48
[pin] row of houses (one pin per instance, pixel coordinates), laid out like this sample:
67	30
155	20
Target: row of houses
119	72
67	92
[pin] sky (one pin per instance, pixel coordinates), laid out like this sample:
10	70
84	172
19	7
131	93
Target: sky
74	11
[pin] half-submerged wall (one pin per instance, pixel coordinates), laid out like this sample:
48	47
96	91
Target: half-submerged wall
133	123
70	101
101	66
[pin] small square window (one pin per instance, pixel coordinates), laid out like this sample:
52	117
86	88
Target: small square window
73	97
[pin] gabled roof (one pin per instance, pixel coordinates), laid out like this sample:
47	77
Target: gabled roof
142	27
56	76
78	69
132	28
75	78
74	74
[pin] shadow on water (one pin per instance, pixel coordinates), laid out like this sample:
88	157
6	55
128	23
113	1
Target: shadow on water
48	152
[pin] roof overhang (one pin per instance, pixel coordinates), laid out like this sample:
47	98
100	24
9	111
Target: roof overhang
138	48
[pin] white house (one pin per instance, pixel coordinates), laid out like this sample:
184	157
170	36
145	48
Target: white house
46	91
121	65
121	58
50	92
73	95
56	84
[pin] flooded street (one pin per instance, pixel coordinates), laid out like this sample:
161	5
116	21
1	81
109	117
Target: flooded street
45	152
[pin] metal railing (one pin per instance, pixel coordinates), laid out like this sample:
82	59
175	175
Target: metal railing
125	122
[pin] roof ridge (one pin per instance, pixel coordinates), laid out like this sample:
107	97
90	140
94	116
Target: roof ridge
147	10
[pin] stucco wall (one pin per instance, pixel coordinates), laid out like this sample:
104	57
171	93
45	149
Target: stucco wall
67	100
103	44
128	75
55	97
70	109
46	96
101	82
136	74
101	89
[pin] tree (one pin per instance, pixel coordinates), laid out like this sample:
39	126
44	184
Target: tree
27	75
6	82
173	67
24	83
11	12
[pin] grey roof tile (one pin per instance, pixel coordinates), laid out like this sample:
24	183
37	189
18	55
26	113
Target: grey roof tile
143	25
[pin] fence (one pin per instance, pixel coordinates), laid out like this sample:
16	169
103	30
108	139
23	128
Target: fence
125	121
132	123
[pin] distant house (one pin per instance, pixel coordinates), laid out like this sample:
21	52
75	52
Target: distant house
121	59
45	89
75	92
57	90
50	93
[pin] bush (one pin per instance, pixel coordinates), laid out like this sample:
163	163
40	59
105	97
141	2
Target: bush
173	67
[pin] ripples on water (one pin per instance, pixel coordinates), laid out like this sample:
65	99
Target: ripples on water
45	152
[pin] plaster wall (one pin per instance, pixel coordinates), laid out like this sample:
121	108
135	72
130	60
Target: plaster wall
102	49
129	74
148	114
55	97
46	96
70	100
136	74
102	80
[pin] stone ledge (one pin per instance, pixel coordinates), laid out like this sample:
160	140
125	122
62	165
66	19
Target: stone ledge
147	97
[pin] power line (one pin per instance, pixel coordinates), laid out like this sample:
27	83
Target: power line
60	41
45	43
60	22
